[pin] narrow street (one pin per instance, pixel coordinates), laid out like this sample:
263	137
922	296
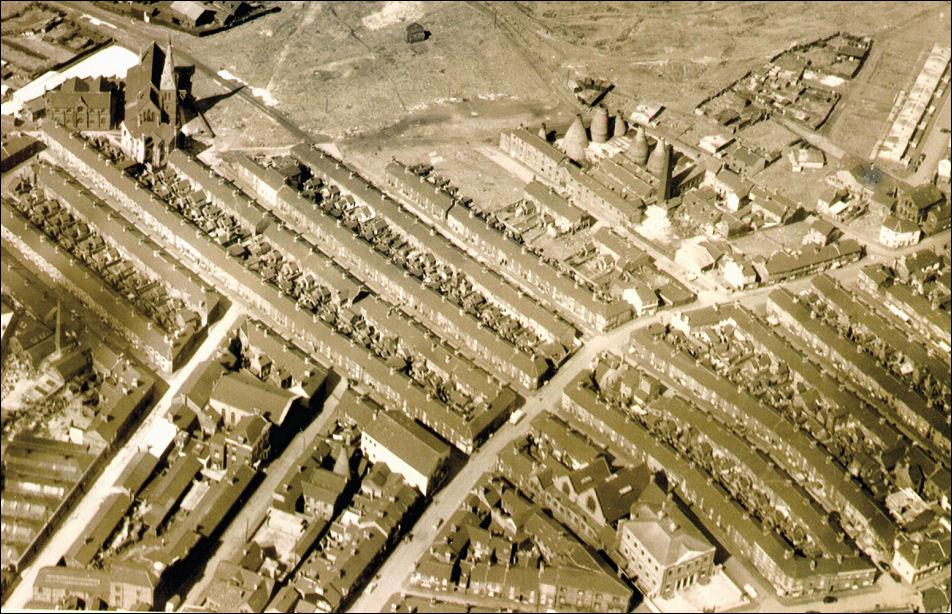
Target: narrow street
813	138
86	509
885	595
935	142
874	247
254	510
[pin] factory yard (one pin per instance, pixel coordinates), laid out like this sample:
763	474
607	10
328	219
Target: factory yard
476	306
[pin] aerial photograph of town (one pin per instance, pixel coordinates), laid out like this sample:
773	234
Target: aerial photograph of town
476	306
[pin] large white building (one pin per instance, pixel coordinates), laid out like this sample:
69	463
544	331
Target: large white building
922	555
665	552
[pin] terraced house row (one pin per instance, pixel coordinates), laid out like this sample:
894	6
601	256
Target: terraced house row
764	492
162	306
452	322
856	315
801	522
790	448
829	345
912	308
842	404
547	284
718	511
550	329
130	241
744	350
310	332
546	324
156	346
415	342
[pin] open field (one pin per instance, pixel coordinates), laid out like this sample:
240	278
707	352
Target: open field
768	135
344	69
803	188
677	53
766	241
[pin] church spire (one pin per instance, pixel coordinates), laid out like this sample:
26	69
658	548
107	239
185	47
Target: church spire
167	81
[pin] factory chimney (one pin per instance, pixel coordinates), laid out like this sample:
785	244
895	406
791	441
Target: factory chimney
659	165
59	327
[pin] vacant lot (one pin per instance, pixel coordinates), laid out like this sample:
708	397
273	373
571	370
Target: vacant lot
769	240
344	69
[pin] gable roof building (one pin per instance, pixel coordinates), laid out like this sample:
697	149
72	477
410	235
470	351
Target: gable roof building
914	203
406	448
84	104
898	232
236	395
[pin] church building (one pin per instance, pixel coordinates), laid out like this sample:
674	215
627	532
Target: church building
151	123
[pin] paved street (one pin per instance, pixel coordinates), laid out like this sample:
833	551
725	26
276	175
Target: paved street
873	246
402	560
816	139
886	594
86	509
401	563
253	512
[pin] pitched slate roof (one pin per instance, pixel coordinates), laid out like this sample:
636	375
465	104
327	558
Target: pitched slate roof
409	441
246	392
